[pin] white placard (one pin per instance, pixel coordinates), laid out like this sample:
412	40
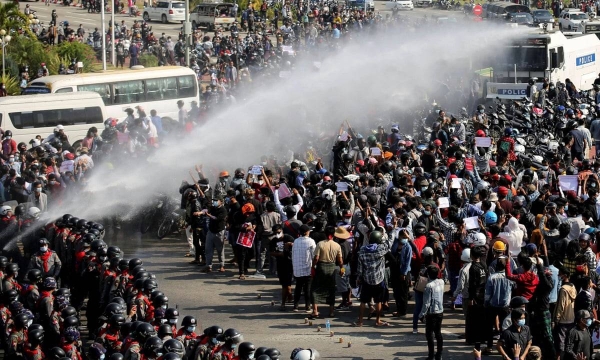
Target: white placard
344	136
568	182
256	170
375	151
443	202
471	223
456	183
483	142
341	186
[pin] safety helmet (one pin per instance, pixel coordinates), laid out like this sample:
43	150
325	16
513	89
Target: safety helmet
376	237
584	237
213	331
34	276
68	311
71	321
491	218
308	217
231	336
96	351
173	346
56	353
153	346
33	212
224	173
143	331
304	354
72	334
466	255
35	337
12	269
327	194
479	239
499	246
273	353
165	330
420	229
3	262
246	349
188	320
4	210
113	251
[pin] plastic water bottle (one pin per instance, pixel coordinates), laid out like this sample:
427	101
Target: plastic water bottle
327	326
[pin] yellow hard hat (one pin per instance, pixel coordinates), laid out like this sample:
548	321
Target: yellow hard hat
499	246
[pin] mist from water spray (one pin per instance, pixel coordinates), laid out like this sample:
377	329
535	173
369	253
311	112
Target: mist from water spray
391	70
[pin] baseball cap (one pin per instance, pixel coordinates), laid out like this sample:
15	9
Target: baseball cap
304	229
531	249
583	314
427	251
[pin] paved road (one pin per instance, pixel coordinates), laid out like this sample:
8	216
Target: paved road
76	15
224	300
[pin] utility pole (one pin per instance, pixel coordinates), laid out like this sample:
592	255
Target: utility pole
187	27
103	36
113	58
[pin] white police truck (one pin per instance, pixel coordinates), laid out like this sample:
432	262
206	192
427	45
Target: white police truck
543	54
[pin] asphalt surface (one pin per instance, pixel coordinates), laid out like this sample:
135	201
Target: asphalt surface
222	299
77	15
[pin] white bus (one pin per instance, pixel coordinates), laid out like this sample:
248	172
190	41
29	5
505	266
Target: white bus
157	88
28	116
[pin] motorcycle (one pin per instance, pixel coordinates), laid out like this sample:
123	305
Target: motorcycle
174	220
153	213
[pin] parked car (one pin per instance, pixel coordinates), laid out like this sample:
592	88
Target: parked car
520	18
542	17
400	4
165	11
570	19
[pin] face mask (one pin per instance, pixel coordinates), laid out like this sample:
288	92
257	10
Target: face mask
43	248
424	188
589	322
521	322
215	203
233	346
260	182
404	241
566	207
163	321
102	357
52	182
38	190
279	235
191	329
173	321
164	306
214	341
426	213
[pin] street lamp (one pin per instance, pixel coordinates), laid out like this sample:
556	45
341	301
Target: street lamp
4	40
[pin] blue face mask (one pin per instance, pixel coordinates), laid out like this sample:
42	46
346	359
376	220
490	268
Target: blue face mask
404	241
521	322
214	341
426	213
233	346
566	207
589	322
191	329
215	203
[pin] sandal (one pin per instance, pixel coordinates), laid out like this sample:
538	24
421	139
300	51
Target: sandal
242	277
383	323
314	316
357	324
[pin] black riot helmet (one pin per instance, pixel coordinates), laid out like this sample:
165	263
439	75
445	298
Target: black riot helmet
165	330
56	353
246	349
143	332
173	346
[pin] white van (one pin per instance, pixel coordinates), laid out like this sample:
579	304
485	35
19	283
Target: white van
28	116
399	5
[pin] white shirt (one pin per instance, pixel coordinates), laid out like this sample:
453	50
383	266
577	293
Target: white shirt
302	255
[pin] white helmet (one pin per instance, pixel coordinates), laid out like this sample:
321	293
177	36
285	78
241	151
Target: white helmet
479	239
427	251
483	185
327	194
5	209
33	212
466	255
304	354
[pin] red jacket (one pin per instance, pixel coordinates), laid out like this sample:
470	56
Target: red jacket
526	283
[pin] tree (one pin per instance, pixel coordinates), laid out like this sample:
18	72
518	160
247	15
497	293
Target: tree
11	18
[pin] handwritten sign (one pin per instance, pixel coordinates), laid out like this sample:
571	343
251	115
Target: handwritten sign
483	142
471	223
568	182
375	151
456	183
341	186
256	170
443	202
284	191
